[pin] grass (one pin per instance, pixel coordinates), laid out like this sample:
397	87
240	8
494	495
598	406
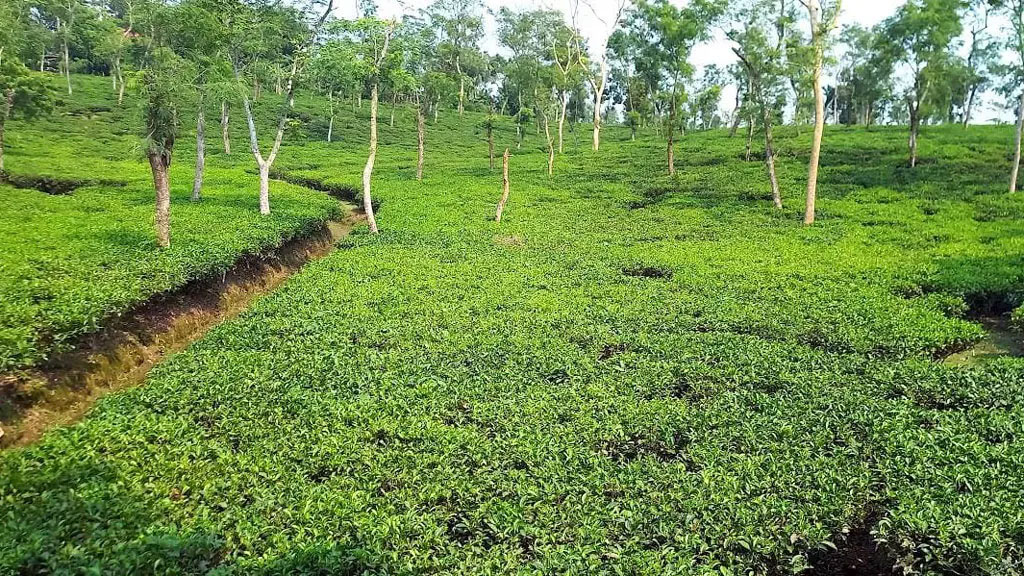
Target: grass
630	375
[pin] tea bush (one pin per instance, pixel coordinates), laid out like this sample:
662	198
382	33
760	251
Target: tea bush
70	262
631	374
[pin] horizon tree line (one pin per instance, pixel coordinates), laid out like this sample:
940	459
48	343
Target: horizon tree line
929	63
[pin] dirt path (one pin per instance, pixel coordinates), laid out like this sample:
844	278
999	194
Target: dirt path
122	354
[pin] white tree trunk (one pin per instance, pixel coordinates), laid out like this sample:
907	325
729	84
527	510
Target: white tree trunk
197	182
915	125
561	123
598	97
264	188
159	165
769	155
671	151
330	125
1016	146
462	95
67	55
118	80
504	187
224	127
490	146
421	136
814	9
254	145
368	170
551	145
750	136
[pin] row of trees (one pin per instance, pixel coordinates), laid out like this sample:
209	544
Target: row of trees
191	53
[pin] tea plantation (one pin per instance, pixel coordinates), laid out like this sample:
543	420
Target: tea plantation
631	374
77	244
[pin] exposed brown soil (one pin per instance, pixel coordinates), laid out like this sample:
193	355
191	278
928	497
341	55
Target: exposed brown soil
122	354
856	554
1000	340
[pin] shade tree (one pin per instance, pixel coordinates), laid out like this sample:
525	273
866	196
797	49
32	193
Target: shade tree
332	72
25	94
669	34
200	36
597	68
757	30
369	42
822	17
161	86
918	39
460	27
983	57
1012	72
865	83
254	30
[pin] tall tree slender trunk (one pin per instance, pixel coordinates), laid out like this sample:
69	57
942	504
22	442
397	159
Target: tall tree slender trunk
671	137
394	102
66	56
118	79
561	121
197	182
769	158
970	106
370	159
598	97
8	106
814	10
1016	145
120	85
67	64
462	85
159	164
915	128
263	163
914	105
490	145
551	145
735	115
330	109
750	135
421	136
504	187
225	133
282	122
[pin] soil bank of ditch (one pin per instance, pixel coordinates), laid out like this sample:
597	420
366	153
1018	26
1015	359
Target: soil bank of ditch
122	354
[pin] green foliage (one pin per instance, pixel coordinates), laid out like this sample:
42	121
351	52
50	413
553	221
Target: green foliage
69	263
161	89
630	374
32	93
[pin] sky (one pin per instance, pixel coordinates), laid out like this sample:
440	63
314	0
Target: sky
594	24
